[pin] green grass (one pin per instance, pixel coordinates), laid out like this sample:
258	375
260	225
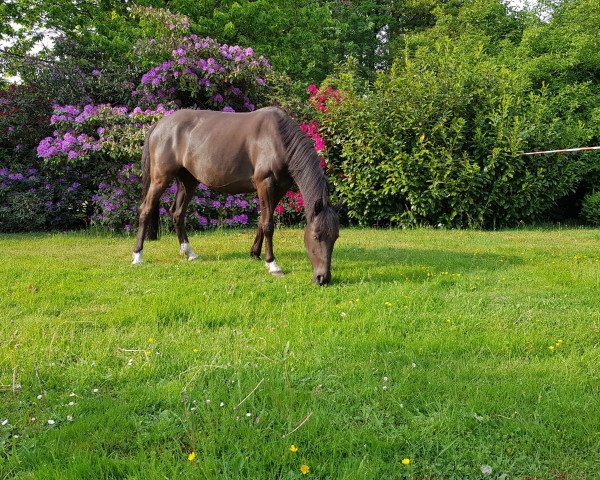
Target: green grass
489	341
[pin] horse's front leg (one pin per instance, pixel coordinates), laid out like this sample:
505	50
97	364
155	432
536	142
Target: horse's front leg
258	242
269	196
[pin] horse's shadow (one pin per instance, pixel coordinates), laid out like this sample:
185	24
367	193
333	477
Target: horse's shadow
355	264
385	265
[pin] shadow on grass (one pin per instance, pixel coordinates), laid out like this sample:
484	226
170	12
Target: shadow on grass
359	265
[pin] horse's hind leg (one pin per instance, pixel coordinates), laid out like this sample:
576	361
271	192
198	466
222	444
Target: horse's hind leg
150	203
186	185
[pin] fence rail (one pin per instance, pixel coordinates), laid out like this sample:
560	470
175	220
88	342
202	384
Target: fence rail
565	150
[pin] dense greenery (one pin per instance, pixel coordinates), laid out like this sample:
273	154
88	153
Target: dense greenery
439	139
435	101
455	349
590	209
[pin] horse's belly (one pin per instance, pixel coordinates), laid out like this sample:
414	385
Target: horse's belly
222	175
236	186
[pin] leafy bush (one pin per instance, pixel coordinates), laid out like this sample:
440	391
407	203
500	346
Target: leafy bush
438	141
590	209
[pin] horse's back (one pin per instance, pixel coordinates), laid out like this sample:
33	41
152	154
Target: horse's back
222	150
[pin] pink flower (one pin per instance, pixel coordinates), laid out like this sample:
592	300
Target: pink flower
319	143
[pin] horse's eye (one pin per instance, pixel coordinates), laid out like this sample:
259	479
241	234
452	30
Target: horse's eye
316	237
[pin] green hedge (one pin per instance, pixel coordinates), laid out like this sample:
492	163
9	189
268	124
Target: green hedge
439	140
590	209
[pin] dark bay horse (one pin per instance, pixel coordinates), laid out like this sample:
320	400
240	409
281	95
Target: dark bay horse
263	151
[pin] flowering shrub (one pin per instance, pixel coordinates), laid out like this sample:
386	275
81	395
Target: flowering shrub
32	201
319	98
82	133
201	72
81	142
30	197
115	204
86	162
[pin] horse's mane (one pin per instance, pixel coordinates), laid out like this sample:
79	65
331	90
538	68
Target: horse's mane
303	164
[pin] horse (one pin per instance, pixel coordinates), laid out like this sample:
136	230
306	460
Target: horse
264	151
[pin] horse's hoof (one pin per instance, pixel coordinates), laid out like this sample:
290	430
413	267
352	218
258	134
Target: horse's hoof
186	250
137	258
274	269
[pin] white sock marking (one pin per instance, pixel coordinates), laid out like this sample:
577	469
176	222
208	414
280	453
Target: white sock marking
186	249
137	258
273	267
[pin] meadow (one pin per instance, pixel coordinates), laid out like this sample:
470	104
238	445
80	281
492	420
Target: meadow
434	354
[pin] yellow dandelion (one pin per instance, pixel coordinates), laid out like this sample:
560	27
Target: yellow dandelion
304	469
387	304
148	353
551	347
195	350
150	340
192	456
406	461
293	448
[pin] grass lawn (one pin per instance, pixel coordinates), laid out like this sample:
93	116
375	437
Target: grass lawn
463	351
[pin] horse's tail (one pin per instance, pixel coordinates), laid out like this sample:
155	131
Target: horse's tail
153	218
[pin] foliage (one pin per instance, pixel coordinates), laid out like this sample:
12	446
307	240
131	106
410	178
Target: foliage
438	141
590	209
488	82
299	38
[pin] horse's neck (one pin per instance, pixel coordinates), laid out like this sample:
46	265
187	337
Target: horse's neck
313	186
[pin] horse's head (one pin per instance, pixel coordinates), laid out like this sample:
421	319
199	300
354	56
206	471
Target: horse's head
322	230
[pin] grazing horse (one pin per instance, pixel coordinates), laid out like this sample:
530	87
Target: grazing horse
263	151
